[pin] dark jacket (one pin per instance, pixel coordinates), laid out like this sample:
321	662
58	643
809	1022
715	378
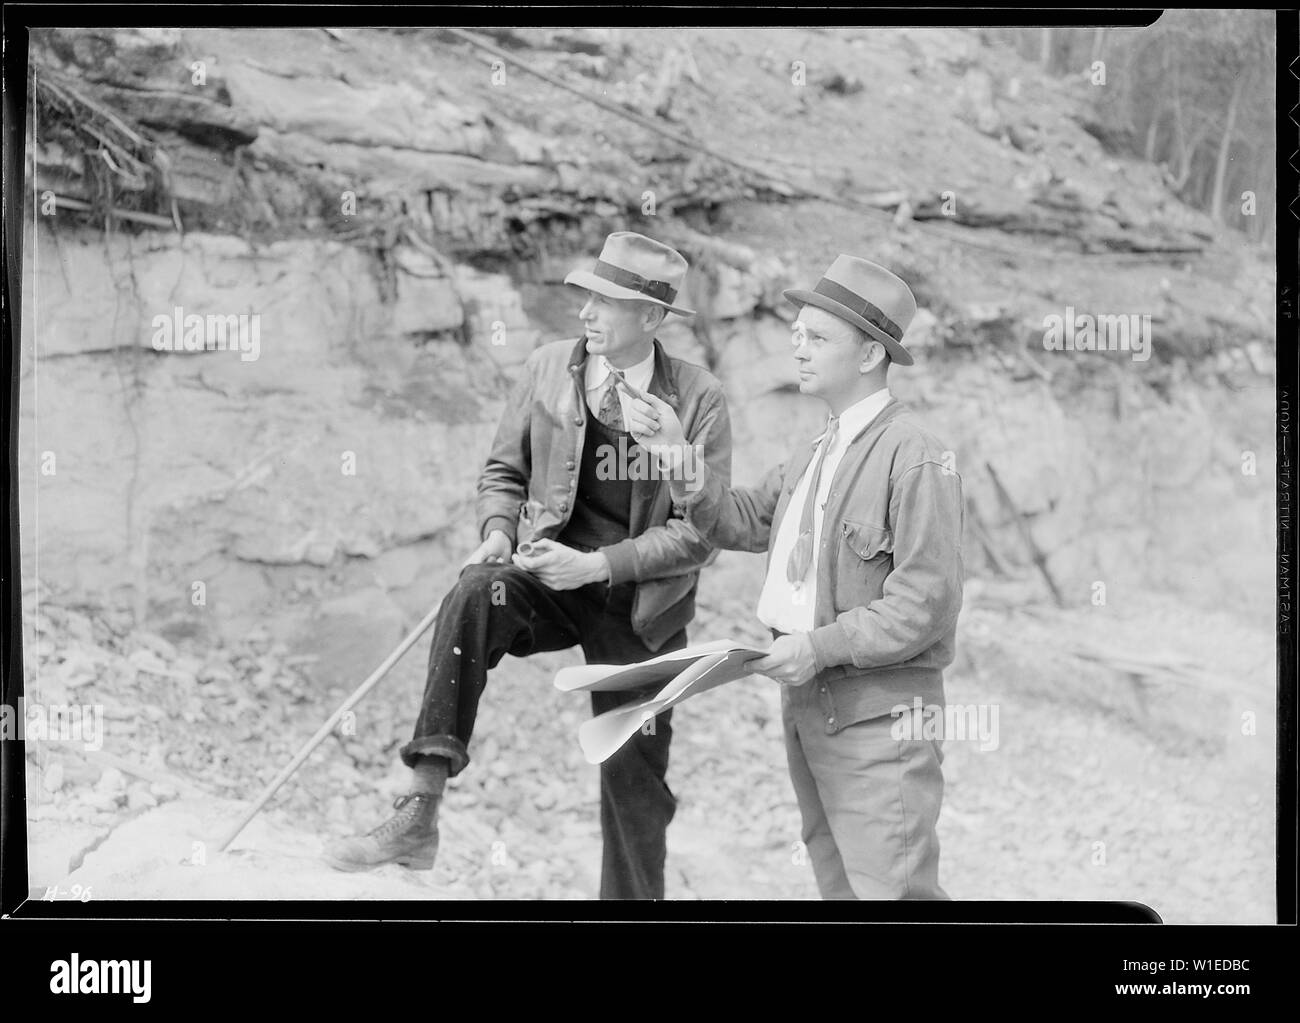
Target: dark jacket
889	572
529	484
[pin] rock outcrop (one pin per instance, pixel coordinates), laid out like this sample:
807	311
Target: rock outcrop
395	210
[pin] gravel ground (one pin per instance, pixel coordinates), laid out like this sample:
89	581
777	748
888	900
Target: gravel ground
1098	788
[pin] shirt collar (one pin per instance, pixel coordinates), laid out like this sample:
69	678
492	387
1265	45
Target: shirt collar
858	416
638	374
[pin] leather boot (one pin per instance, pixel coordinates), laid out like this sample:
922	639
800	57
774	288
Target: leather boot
409	838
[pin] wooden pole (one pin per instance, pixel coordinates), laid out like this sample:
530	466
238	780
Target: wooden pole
328	727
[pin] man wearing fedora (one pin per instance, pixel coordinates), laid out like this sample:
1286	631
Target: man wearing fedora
862	529
574	554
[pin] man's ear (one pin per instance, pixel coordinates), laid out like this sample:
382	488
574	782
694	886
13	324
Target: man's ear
654	316
874	357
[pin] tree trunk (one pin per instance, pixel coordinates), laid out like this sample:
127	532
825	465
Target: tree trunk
1225	143
1180	134
1202	184
1187	158
1264	213
1254	175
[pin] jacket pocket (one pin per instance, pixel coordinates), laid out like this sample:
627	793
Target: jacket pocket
536	521
867	541
866	557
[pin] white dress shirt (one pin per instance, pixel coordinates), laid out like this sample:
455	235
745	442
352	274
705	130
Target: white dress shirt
791	607
597	376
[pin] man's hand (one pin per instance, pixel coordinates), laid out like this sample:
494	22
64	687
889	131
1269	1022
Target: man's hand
560	567
790	660
655	426
495	550
652	420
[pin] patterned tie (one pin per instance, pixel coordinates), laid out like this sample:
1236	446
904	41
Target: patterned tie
801	554
611	409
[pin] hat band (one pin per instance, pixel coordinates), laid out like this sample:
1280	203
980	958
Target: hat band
856	303
661	290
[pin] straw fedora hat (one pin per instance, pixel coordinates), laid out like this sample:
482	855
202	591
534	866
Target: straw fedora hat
632	266
869	297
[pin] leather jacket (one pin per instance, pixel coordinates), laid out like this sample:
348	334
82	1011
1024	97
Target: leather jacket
529	485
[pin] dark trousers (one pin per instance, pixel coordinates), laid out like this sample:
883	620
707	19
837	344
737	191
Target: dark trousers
494	610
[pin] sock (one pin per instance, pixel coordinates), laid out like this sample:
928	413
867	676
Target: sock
430	775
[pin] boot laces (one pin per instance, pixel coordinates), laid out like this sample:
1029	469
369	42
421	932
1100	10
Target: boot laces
403	817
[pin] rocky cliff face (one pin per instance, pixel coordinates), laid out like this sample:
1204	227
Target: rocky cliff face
397	209
224	545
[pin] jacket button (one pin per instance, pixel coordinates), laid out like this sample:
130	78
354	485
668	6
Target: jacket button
569	464
564	506
577	422
830	721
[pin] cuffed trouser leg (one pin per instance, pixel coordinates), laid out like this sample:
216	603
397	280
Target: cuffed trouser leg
493	610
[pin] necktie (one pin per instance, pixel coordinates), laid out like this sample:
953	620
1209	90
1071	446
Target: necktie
611	409
801	554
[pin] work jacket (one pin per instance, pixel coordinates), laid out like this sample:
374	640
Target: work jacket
530	483
889	567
